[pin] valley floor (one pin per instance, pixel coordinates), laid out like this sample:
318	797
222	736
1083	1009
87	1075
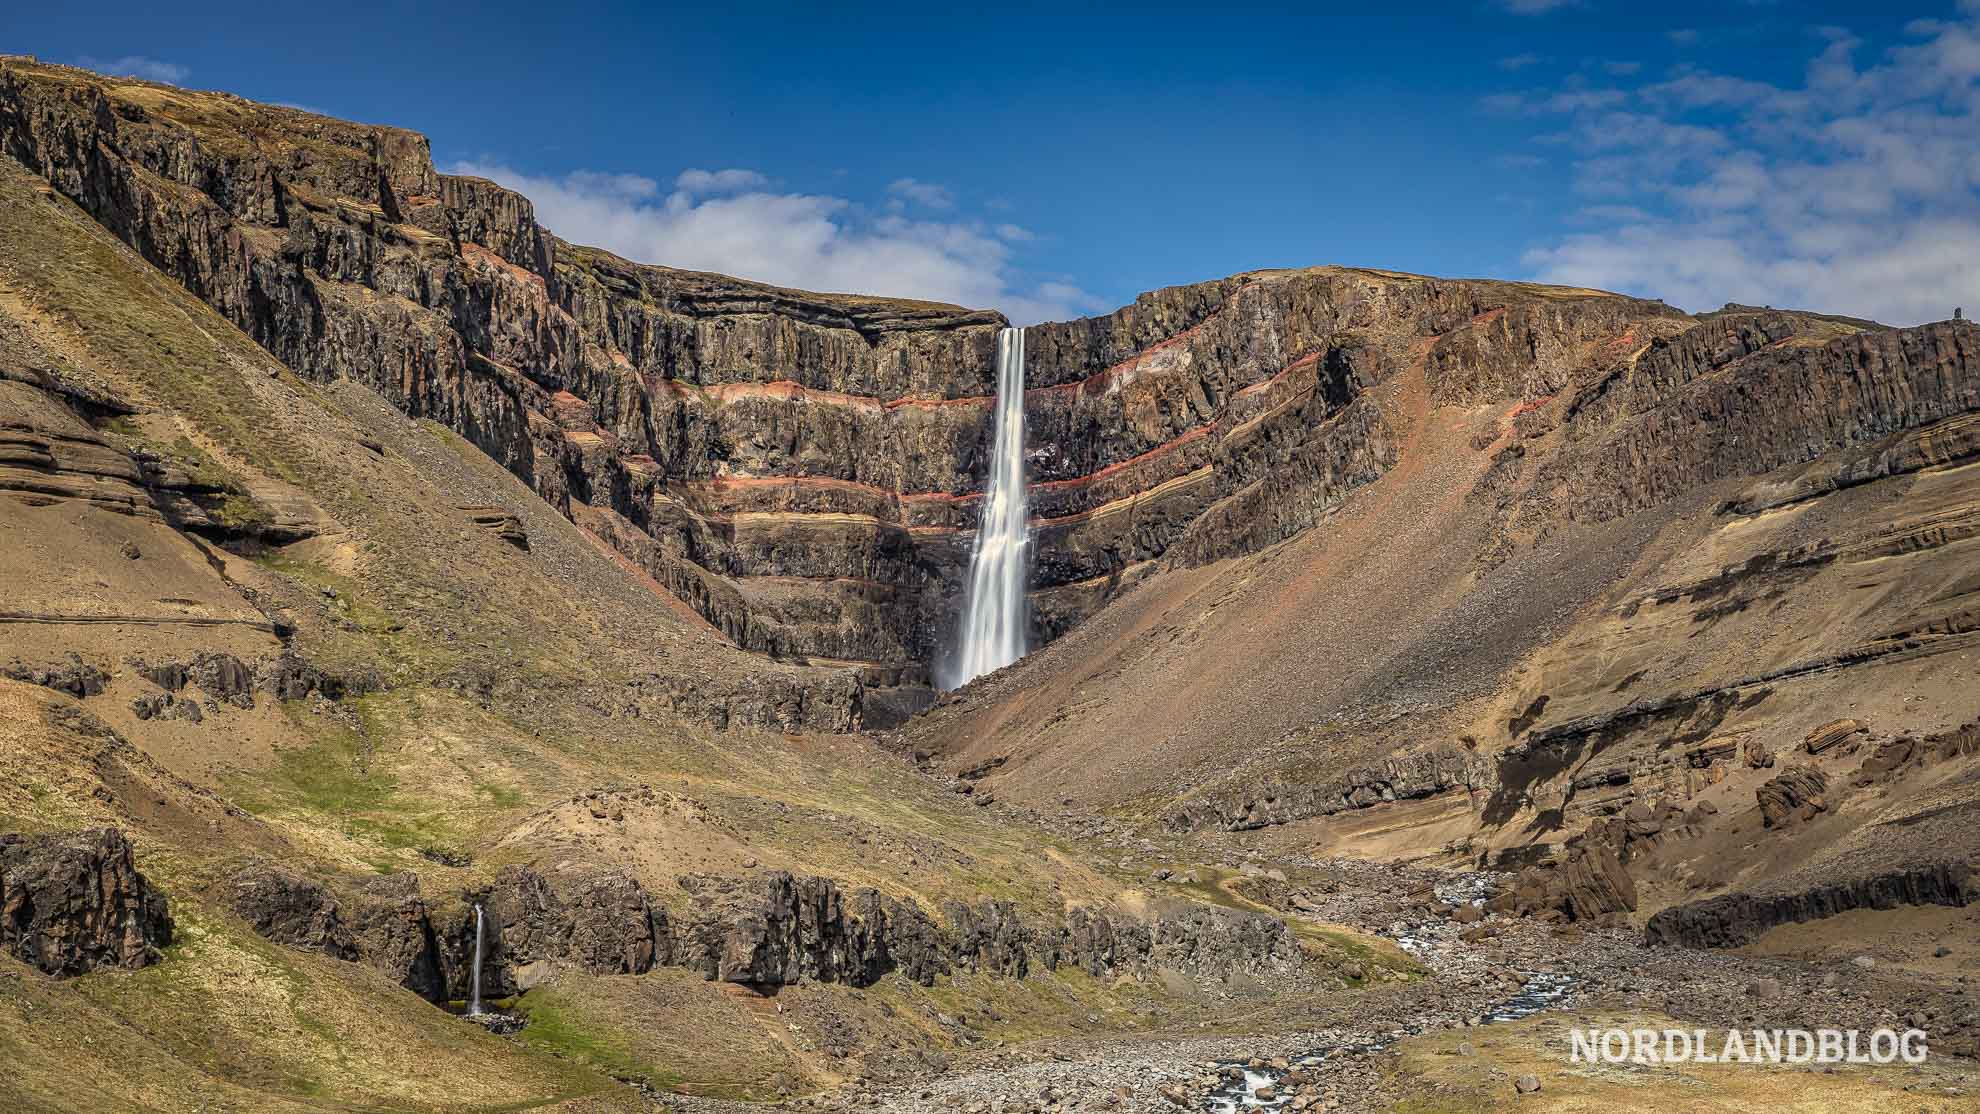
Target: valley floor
1445	1039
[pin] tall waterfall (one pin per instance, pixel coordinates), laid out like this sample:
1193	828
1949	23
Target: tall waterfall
474	983
994	615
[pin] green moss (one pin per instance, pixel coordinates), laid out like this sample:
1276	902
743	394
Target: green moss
342	591
553	1027
337	778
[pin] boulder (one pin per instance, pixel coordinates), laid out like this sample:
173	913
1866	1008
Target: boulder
1795	795
1831	734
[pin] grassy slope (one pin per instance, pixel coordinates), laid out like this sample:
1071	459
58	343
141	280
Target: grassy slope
499	691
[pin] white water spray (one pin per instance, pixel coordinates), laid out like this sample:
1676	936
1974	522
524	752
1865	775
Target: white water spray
995	615
474	982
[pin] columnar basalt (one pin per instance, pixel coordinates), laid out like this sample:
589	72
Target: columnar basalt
772	929
1736	919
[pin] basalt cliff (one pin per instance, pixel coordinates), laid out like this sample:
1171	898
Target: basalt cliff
398	598
801	469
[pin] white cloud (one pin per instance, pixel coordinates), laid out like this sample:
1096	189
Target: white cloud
719	181
137	65
1536	7
1857	191
725	221
1683	36
922	193
1518	61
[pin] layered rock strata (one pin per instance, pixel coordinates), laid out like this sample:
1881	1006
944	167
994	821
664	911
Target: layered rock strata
802	469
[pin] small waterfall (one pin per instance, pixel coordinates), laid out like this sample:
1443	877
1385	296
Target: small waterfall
474	980
995	615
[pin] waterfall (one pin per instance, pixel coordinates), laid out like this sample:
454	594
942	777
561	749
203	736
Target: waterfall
474	982
994	615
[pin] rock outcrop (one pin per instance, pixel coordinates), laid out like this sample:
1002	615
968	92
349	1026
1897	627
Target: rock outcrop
72	675
72	904
1589	884
1734	919
772	929
292	911
1798	793
1406	776
50	452
501	522
1832	734
596	921
781	929
1740	395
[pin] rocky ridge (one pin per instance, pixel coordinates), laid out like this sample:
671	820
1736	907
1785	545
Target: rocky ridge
766	931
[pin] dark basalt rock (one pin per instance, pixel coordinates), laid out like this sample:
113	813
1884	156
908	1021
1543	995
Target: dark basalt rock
990	937
599	922
1735	919
74	676
772	929
292	911
71	904
393	931
227	679
780	929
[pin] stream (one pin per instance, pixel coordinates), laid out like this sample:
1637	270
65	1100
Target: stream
1245	1087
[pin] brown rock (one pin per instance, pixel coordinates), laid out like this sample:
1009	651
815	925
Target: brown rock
70	904
1832	733
1795	795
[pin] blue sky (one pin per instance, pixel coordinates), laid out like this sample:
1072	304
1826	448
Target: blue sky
1056	160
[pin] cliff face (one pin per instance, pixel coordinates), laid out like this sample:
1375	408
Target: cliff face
768	455
801	469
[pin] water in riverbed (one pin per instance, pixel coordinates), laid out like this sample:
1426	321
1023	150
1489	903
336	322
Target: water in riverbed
1241	1090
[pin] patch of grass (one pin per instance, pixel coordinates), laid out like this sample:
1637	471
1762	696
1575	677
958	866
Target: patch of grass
338	778
553	1027
1217	887
366	616
500	796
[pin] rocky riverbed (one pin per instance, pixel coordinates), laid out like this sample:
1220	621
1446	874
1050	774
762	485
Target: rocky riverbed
1479	969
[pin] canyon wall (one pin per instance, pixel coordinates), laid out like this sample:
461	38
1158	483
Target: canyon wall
801	469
